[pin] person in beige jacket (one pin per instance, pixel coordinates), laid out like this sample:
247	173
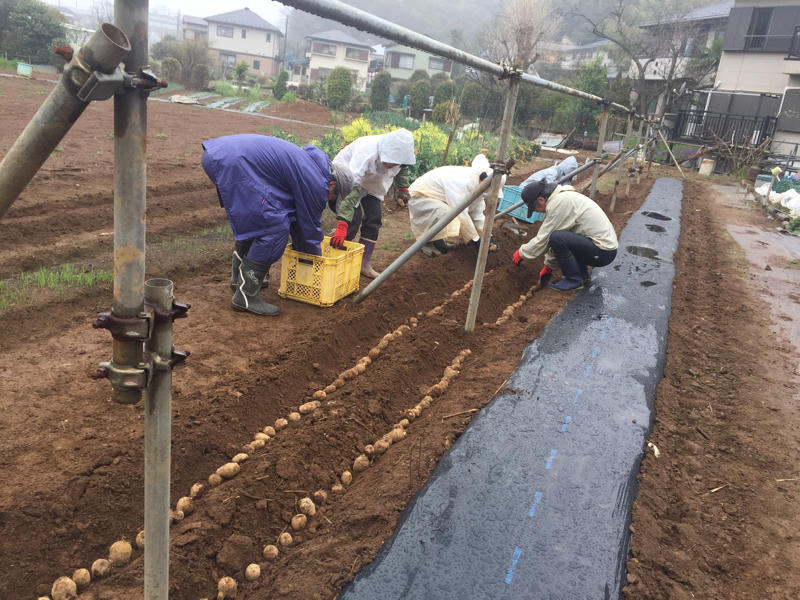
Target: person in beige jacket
575	234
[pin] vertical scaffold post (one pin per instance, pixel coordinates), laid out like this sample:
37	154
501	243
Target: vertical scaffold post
130	149
491	204
157	440
601	139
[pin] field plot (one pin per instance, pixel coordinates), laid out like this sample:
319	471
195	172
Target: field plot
72	459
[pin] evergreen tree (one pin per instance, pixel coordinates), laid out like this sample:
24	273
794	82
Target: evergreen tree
339	88
379	92
279	89
33	29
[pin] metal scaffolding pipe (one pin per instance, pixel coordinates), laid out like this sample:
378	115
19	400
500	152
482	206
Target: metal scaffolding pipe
157	439
130	150
491	208
103	52
562	179
424	239
364	21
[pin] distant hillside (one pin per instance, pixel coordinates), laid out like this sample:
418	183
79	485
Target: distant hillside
434	18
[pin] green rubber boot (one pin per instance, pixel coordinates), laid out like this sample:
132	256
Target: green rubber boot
246	297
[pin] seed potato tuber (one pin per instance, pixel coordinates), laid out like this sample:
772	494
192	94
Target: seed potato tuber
240	458
374	352
185	505
269	430
369	450
214	480
256	444
381	446
228	470
320	496
270	552
307	507
299	522
359	368
64	589
397	435
346	477
82	578
361	463
252	572
120	553
337	488
330	389
280	424
285	539
404	423
227	588
100	568
140	540
319	395
196	490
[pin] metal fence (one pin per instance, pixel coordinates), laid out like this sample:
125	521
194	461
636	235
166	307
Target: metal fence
703	127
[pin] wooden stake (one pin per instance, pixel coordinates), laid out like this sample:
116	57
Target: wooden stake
463	412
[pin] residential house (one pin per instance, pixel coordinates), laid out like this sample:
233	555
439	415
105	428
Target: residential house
690	33
190	28
242	35
401	61
759	72
330	49
571	57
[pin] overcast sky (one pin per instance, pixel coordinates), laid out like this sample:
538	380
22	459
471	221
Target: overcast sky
271	11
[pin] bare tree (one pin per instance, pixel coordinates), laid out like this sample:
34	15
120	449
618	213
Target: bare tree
653	35
102	12
516	34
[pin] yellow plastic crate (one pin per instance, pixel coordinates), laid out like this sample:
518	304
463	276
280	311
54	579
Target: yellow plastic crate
321	280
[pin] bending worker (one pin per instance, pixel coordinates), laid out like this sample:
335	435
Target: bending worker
436	192
376	161
576	234
270	189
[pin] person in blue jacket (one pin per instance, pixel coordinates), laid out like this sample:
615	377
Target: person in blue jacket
270	189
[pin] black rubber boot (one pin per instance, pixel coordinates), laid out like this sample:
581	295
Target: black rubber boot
246	298
585	275
570	274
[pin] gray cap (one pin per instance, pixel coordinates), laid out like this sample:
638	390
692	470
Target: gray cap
344	180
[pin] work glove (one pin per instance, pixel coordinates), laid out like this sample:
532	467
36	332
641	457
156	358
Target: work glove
401	196
544	275
516	258
337	239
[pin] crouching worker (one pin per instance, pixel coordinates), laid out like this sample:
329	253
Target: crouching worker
376	161
270	189
433	194
576	234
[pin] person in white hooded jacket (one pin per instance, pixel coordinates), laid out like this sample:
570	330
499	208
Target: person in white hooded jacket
375	161
433	194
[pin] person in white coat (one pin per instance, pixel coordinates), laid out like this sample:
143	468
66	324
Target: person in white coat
375	161
433	194
554	173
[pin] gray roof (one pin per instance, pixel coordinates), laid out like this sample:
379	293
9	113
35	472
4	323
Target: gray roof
244	18
720	10
340	37
194	20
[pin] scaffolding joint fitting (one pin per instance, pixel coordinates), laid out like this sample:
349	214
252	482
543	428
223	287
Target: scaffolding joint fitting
178	311
126	329
126	377
176	358
503	168
145	81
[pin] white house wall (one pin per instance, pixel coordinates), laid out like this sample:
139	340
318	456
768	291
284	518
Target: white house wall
752	72
327	61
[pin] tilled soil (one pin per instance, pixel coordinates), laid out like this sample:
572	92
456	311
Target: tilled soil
72	459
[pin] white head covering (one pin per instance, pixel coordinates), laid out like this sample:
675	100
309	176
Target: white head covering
397	147
481	164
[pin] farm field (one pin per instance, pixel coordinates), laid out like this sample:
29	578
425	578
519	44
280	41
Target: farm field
72	460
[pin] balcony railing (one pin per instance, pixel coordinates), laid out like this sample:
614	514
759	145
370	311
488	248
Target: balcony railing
794	49
706	127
